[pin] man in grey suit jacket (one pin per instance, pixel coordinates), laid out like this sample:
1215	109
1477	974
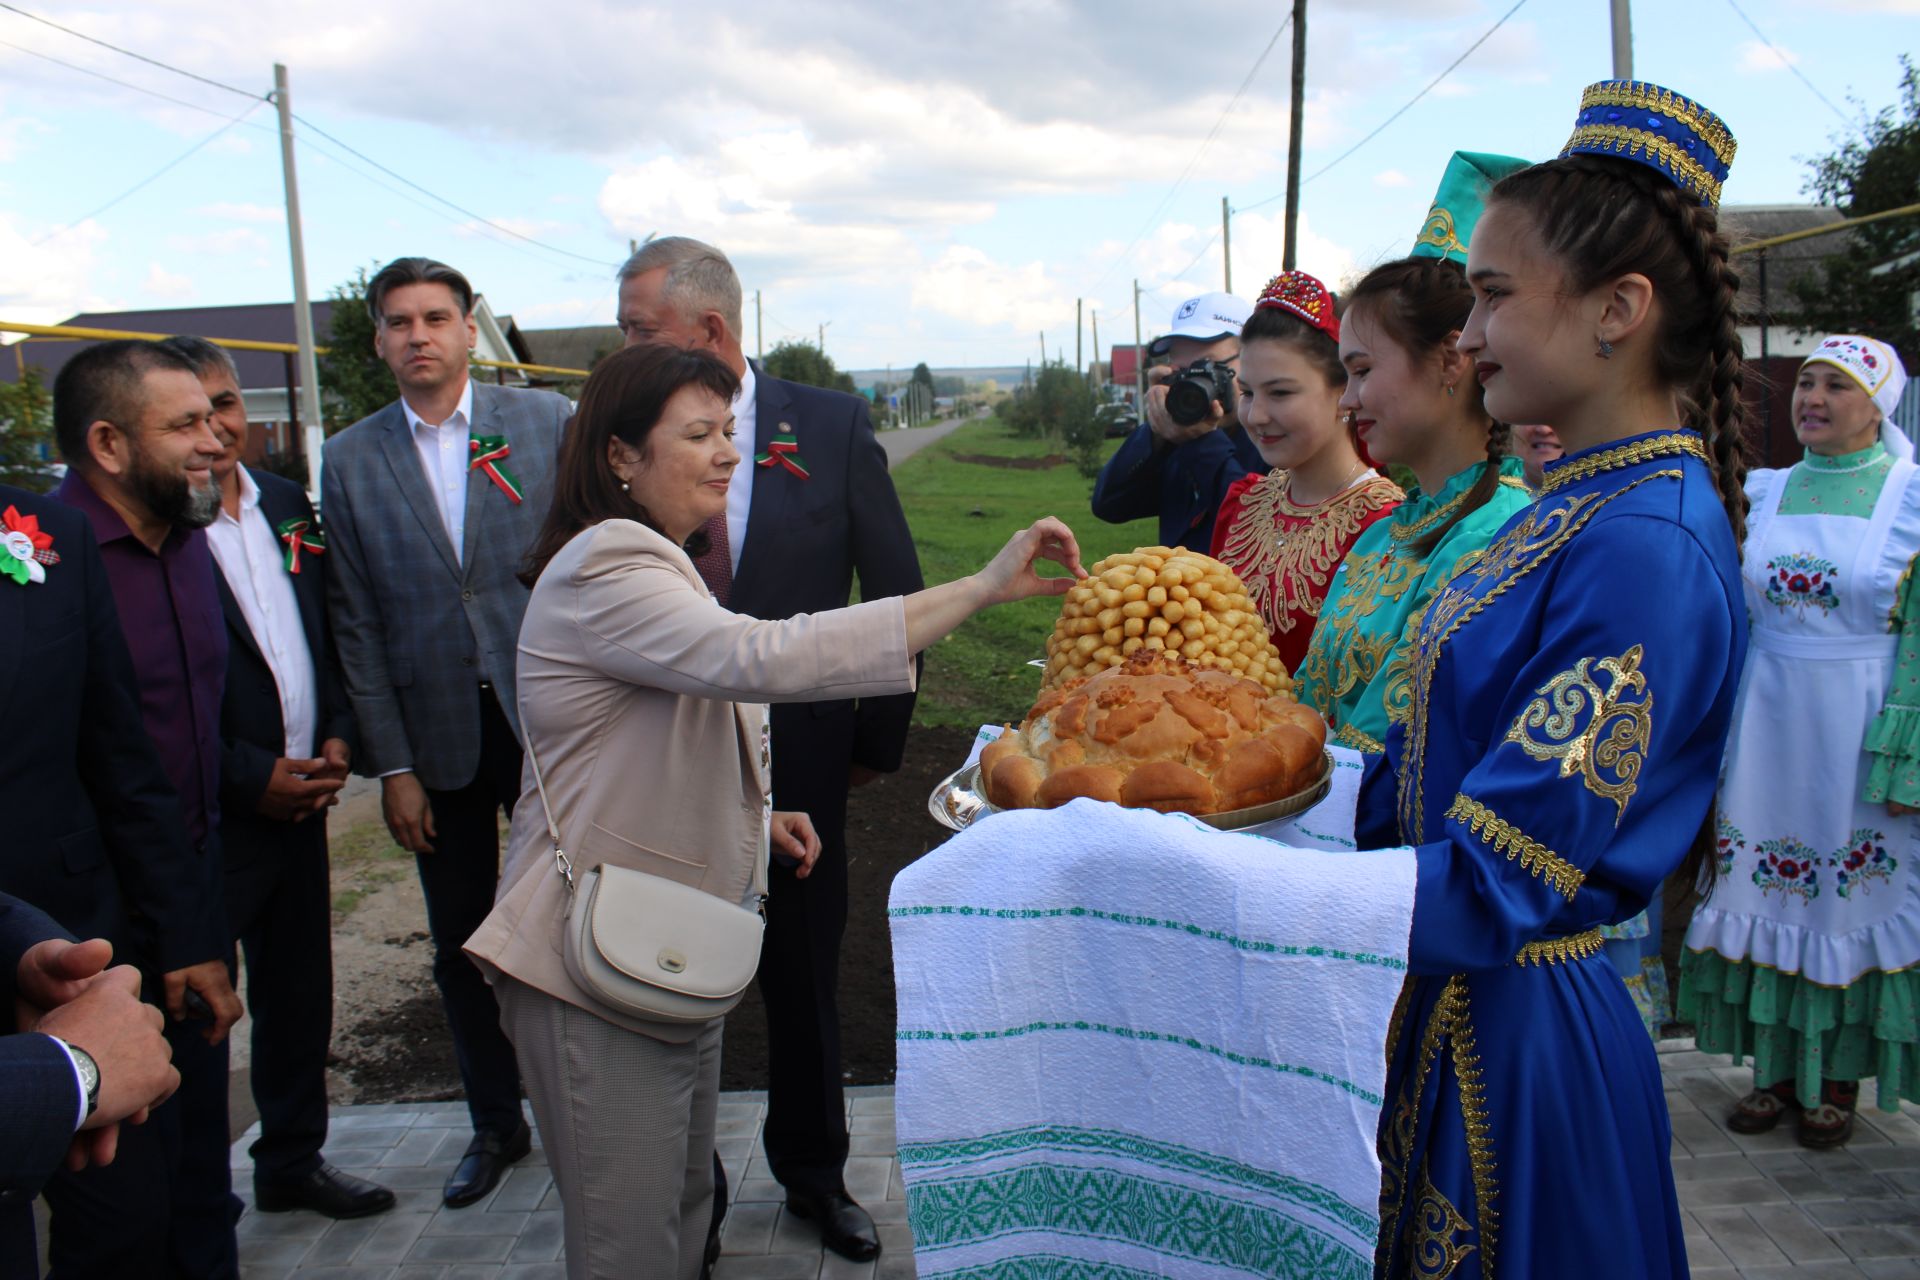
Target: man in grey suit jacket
430	505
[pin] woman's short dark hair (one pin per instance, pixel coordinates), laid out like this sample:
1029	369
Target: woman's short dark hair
405	271
623	400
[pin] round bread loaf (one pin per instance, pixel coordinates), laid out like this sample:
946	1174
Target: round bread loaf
1156	732
1161	600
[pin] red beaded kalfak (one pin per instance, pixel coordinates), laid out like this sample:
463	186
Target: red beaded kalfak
1304	296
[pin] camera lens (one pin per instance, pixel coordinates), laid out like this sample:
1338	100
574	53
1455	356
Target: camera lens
1189	400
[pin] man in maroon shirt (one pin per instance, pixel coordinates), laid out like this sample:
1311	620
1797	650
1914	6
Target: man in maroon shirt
134	427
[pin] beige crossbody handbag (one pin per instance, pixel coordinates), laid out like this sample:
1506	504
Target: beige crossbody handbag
654	948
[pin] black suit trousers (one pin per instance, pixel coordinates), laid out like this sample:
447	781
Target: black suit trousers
459	877
279	908
165	1207
806	1130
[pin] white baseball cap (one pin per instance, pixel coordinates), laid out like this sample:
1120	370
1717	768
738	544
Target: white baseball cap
1209	316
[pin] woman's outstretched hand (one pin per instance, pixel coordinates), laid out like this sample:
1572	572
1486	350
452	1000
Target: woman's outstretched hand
1011	574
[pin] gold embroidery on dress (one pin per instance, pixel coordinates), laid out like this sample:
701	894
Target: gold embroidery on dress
1286	571
1437	1249
1609	747
1396	1137
1577	946
1671	444
1511	558
1448	1024
1356	739
1473	1116
1433	519
1541	862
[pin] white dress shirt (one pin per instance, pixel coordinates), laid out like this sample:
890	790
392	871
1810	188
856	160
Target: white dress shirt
740	485
443	451
253	561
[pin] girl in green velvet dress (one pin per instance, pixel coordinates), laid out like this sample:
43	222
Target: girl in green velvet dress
1806	954
1416	404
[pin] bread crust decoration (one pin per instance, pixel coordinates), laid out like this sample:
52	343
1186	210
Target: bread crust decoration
1156	732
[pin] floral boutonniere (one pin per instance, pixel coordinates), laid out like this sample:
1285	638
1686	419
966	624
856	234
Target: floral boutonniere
28	550
489	454
301	535
783	451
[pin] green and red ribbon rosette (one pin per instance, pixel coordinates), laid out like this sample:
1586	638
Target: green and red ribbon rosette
301	535
783	451
25	552
489	454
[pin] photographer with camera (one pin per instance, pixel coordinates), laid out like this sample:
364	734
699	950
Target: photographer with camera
1189	446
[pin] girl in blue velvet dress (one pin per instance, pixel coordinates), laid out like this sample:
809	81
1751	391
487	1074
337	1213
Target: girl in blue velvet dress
1571	696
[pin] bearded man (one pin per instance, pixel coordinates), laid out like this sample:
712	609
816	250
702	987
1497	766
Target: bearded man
135	429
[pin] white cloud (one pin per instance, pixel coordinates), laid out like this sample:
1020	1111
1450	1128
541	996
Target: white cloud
1390	178
967	285
46	283
1757	57
567	312
166	285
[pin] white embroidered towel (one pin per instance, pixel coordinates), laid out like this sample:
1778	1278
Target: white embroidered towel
1130	1045
1329	824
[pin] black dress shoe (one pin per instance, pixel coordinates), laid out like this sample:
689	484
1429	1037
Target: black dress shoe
325	1191
845	1227
488	1156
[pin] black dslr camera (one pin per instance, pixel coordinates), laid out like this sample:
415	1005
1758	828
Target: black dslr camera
1191	391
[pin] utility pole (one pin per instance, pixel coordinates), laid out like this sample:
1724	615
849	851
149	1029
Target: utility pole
1079	332
1295	114
823	339
315	434
1096	346
759	330
1043	350
1226	243
1139	357
1622	41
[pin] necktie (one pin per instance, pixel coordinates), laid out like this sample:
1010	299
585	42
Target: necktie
716	564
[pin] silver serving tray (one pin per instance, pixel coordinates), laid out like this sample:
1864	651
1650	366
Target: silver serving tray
957	801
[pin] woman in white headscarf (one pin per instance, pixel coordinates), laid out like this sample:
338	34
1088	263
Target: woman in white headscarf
1806	953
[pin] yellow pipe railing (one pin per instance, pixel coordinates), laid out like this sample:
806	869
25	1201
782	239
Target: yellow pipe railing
236	344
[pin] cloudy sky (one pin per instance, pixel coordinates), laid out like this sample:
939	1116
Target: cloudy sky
934	182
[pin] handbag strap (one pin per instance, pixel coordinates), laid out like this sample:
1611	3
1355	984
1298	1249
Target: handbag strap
564	864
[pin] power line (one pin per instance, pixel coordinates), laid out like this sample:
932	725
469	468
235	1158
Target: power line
1382	127
168	167
124	84
1194	159
460	209
1787	62
125	53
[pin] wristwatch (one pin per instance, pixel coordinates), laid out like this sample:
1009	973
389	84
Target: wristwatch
89	1074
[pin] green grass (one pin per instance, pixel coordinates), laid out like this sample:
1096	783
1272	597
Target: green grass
363	858
979	674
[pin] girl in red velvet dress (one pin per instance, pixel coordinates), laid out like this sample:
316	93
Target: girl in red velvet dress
1286	532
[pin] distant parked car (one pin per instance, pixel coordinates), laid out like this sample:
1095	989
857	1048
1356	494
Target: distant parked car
1116	419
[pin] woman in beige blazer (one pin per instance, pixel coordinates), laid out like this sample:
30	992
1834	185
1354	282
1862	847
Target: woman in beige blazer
645	701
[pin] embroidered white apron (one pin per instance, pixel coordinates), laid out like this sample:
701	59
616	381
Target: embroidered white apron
1812	880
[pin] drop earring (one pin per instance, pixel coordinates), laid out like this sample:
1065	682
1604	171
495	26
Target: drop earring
1449	388
1604	350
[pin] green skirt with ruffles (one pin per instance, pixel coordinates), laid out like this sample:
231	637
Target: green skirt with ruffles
1800	1031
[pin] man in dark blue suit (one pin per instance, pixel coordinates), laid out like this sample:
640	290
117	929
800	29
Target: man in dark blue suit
286	733
95	838
813	509
88	1055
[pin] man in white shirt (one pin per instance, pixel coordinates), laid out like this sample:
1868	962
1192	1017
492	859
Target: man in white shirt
286	734
432	503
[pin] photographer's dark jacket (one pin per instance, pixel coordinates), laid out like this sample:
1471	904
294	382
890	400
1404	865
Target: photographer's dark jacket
1183	485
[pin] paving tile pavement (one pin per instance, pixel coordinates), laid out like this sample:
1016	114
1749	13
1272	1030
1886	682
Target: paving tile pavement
1754	1207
